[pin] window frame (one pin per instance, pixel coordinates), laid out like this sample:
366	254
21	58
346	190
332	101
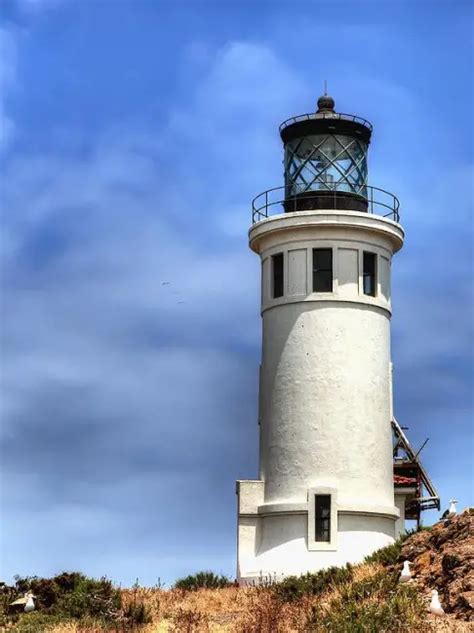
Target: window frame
322	524
277	257
315	270
326	545
372	275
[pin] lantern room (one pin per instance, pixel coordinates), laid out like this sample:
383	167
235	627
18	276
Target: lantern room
326	159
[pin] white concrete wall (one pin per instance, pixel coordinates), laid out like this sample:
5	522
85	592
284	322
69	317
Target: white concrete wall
249	497
325	398
325	402
348	272
283	547
296	269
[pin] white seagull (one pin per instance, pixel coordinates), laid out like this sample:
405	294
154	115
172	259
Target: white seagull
30	603
406	574
26	602
451	511
435	604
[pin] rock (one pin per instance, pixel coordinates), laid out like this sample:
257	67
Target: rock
423	561
443	559
467	599
450	562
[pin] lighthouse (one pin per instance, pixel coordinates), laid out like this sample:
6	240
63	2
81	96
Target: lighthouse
325	493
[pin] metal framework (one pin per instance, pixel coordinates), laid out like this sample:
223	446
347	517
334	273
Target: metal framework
279	200
409	464
326	115
328	162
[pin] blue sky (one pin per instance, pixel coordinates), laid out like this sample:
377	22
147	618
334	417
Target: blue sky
134	135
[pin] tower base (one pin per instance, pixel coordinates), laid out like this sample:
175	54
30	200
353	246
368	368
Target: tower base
275	540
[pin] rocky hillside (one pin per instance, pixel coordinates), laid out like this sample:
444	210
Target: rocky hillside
443	559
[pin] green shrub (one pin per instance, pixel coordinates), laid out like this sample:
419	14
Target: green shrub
203	580
72	597
381	583
400	611
378	604
295	587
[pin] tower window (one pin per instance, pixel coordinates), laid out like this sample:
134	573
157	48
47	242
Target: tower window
277	275
369	276
322	269
322	518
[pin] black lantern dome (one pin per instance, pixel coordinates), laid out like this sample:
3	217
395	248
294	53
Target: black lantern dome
325	102
326	159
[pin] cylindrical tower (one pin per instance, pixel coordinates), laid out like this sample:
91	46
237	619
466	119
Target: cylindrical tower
325	493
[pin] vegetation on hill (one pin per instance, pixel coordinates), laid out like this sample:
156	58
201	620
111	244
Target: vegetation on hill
203	580
365	598
71	597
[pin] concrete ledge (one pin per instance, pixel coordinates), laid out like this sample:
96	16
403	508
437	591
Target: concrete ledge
282	508
330	218
319	299
390	512
272	509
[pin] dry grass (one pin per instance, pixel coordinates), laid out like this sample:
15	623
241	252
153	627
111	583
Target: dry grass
236	610
258	610
261	610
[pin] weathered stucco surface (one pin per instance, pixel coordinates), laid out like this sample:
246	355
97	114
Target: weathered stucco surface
325	397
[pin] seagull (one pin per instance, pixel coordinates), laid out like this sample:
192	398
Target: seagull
165	283
30	604
435	605
406	574
451	511
26	602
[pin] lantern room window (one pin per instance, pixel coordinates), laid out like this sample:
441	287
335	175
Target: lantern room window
322	270
326	162
277	275
370	274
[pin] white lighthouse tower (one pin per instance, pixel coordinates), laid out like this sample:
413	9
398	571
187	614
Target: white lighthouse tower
325	492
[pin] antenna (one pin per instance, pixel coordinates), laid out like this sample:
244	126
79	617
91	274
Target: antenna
422	447
325	87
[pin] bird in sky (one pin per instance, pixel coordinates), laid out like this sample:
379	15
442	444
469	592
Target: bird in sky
435	604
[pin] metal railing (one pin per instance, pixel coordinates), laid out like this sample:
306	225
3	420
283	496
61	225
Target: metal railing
326	115
277	200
